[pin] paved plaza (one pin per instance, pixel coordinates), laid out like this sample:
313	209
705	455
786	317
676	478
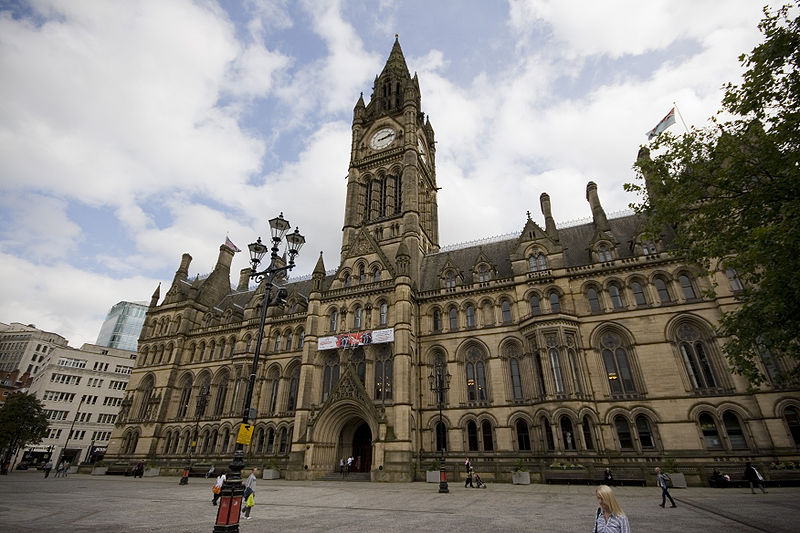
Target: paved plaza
83	503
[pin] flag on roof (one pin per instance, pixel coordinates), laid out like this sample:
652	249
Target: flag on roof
230	244
665	123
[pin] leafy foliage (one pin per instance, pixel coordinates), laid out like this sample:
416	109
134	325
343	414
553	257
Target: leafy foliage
22	421
731	192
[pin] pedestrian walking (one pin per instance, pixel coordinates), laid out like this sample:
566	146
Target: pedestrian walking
341	466
47	468
662	480
754	477
608	477
249	493
609	518
468	481
217	488
467	465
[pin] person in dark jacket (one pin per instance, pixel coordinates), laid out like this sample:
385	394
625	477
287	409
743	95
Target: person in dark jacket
754	477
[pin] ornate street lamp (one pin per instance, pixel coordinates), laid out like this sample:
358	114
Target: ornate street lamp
202	399
440	382
230	504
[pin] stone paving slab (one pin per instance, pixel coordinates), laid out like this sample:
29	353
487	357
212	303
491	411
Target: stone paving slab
83	503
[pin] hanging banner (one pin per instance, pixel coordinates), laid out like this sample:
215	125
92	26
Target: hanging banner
351	340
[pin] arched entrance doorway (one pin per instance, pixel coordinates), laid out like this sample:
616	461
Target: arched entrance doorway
362	448
355	441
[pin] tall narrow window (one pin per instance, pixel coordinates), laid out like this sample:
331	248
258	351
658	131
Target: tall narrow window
450	280
357	317
541	262
334	320
441	437
661	288
616	298
475	374
733	279
277	346
791	415
383	374
594	301
347	280
555	363
301	338
638	294
368	200
330	376
273	394
284	439
710	432
555	303
437	320
523	436
535	307
516	382
615	359
734	430
270	441
486	431
575	369
548	435
587	433
359	361
453	319
623	433
398	195
362	275
289	339
695	358
483	274
470	316
384	314
567	434
472	436
186	393
505	308
645	433
294	381
222	393
686	286
376	275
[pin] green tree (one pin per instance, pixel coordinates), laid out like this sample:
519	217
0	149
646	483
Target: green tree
731	193
22	421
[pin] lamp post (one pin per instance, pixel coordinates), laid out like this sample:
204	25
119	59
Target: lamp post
202	400
69	435
230	502
440	382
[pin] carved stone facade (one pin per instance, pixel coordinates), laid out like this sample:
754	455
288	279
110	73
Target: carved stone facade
580	344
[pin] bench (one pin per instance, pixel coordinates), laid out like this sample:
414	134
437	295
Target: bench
121	468
201	469
572	477
782	478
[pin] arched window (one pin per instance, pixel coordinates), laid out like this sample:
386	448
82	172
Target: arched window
186	394
567	434
486	431
537	262
334	320
638	294
791	415
270	441
145	392
273	380
376	275
686	286
623	433
594	301
283	441
330	375
710	432
505	308
260	440
289	339
644	431
661	288
384	314
470	316
555	364
441	436
476	374
248	343
616	298
535	307
357	317
205	387
603	253
453	319
523	436
695	358
575	369
294	381
277	347
450	280
733	280
734	430
587	433
383	374
472	436
301	338
359	361
226	437
222	394
516	382
362	275
483	274
437	320
347	280
555	303
548	435
615	359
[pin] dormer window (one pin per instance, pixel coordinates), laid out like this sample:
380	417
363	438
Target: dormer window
537	261
483	274
450	280
603	253
648	247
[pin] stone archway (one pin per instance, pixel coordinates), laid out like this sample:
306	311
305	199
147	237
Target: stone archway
356	441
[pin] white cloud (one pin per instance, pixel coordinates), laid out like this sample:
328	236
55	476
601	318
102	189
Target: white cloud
38	226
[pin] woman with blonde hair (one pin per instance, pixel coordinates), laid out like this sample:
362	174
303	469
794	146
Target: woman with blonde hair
610	518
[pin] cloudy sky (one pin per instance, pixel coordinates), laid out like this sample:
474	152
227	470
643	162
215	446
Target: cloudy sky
132	132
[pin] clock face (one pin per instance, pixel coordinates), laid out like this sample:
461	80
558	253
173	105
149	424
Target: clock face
382	138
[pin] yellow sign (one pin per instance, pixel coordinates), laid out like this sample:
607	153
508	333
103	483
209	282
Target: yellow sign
245	434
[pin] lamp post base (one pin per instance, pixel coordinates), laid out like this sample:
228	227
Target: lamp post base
442	477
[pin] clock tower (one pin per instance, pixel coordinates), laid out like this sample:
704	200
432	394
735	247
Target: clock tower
391	183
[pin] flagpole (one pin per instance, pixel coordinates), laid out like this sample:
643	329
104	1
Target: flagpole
680	115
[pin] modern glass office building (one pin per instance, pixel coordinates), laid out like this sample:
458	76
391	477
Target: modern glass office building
122	326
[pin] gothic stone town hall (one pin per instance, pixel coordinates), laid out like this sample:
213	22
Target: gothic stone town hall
580	345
